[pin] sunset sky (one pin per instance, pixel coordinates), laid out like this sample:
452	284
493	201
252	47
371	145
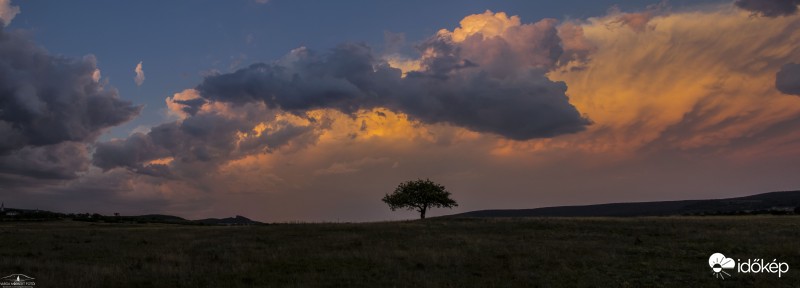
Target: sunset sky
286	110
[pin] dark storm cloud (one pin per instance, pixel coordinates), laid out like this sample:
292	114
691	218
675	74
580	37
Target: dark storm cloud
57	161
199	140
129	152
787	80
451	89
769	8
523	107
447	58
51	107
486	85
343	80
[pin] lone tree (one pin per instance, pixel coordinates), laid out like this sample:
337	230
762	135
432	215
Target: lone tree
419	195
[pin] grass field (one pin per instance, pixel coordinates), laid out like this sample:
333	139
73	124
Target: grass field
535	252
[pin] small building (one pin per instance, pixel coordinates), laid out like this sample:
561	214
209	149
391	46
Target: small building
3	211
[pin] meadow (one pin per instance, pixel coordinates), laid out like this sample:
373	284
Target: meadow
442	252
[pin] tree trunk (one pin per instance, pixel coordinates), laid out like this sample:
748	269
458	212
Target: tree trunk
422	212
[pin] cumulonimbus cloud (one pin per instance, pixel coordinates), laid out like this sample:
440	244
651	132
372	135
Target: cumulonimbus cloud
487	78
485	82
703	88
51	107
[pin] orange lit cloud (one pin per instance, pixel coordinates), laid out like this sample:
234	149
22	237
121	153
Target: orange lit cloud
498	42
696	80
487	24
8	12
174	108
404	64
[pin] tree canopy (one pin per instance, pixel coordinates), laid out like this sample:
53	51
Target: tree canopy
419	195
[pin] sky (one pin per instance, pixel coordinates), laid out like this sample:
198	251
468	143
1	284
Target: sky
314	110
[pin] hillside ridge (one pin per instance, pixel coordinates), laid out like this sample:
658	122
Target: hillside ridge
780	202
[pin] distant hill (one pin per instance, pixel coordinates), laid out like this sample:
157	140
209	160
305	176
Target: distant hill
238	220
156	218
15	214
169	219
774	203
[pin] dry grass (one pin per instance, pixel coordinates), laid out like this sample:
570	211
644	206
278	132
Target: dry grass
539	252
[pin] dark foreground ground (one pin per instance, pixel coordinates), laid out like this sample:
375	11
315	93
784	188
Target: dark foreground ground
543	252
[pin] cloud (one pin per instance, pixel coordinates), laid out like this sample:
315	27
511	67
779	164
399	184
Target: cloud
8	12
787	80
131	152
637	21
577	48
139	79
700	81
51	108
498	43
185	103
769	8
96	75
55	161
493	83
213	135
488	25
